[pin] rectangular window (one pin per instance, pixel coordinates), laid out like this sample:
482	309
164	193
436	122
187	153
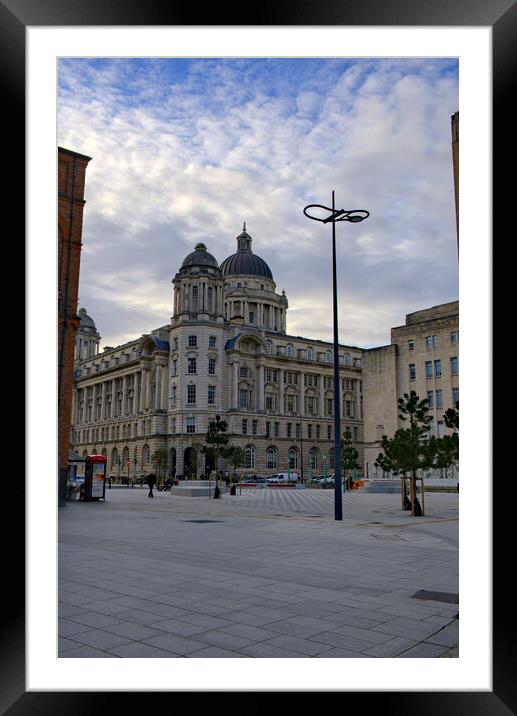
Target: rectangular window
192	366
254	427
174	395
430	398
454	337
289	426
275	376
211	395
191	425
356	434
243	398
438	368
309	431
439	399
195	296
455	396
298	430
191	394
441	428
290	404
244	427
173	426
243	372
211	342
268	429
251	316
412	371
317	432
174	367
411	344
192	341
330	402
429	369
431	341
329	432
269	402
211	366
454	366
277	429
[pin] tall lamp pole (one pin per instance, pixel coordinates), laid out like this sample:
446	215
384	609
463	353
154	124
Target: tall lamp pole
354	215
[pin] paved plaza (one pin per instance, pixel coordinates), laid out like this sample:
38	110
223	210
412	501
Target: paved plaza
266	573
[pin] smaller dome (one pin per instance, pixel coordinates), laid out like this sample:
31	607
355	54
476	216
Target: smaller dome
86	320
199	257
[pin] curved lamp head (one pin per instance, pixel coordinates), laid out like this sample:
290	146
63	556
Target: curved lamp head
353	215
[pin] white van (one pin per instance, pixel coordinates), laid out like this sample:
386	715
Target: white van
283	477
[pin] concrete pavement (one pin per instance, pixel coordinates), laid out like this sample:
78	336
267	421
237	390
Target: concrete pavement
268	573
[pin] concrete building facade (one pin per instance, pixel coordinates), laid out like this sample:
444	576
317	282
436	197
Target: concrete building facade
423	356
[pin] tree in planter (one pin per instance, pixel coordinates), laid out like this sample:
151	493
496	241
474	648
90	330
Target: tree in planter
349	455
234	456
216	441
445	451
408	450
159	458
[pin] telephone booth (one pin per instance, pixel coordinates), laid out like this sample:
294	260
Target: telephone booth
94	478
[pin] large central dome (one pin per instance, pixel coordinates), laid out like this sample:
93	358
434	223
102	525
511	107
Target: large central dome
244	262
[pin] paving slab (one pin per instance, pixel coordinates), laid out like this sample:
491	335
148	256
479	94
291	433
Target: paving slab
267	574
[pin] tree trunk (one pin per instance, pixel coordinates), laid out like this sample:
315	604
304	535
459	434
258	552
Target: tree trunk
413	492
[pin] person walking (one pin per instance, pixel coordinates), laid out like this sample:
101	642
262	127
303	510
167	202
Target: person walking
151	481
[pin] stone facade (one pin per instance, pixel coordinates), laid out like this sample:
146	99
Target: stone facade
71	180
225	352
424	357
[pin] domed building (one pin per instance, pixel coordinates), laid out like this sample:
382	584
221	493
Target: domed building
87	338
225	351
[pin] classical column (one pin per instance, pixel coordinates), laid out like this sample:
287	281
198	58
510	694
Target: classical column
157	386
261	387
281	408
301	405
235	391
165	383
113	398
124	394
103	404
322	398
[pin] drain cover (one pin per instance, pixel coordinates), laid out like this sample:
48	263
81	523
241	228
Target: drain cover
447	597
200	522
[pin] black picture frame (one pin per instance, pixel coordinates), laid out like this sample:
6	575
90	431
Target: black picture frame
15	17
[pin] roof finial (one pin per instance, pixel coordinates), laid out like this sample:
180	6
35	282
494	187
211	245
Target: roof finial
244	226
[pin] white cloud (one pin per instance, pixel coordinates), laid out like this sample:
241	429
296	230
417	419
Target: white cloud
182	156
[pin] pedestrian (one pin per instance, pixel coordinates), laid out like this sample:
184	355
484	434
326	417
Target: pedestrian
151	481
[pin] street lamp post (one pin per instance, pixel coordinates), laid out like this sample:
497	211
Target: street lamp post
354	215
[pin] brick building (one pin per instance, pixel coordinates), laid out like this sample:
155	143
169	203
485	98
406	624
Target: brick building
71	179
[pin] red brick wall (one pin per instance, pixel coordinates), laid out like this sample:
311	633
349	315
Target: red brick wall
71	179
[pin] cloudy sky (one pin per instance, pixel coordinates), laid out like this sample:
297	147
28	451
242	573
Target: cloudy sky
186	150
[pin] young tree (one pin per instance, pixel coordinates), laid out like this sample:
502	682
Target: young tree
349	455
159	458
408	450
216	440
234	456
445	451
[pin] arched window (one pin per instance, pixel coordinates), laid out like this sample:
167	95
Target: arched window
125	456
271	458
313	458
292	457
310	354
269	346
249	457
346	359
328	356
145	454
114	458
289	351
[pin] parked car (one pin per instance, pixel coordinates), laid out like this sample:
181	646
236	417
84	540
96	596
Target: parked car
249	481
282	478
260	480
